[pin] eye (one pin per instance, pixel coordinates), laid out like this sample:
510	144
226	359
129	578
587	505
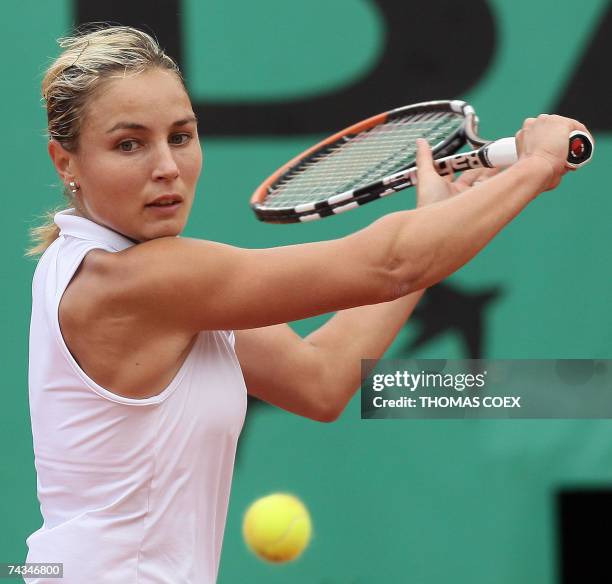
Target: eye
124	143
186	137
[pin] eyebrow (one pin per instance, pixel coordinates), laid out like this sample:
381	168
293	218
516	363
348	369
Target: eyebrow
135	126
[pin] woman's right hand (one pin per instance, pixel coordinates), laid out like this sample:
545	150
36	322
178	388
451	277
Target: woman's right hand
546	139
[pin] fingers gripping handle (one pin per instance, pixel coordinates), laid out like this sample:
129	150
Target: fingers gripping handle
503	153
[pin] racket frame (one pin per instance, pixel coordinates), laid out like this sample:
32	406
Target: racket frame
338	203
488	154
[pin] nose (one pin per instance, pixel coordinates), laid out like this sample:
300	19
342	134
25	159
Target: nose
165	166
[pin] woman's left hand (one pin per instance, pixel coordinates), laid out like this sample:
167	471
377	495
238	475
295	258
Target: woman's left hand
433	188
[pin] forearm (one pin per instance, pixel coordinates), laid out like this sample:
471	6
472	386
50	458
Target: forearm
364	332
428	244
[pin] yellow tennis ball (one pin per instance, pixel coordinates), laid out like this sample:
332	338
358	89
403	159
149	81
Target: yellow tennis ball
277	527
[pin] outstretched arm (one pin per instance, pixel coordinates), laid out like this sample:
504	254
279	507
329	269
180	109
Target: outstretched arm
189	285
317	376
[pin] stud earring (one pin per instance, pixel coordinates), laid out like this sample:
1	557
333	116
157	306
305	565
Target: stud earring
73	187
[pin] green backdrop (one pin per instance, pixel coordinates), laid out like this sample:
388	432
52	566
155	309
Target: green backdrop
422	502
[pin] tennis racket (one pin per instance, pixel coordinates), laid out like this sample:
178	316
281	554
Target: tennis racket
377	157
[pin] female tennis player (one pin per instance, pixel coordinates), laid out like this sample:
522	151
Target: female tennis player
144	344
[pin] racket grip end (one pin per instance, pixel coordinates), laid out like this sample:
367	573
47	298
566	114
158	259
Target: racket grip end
580	149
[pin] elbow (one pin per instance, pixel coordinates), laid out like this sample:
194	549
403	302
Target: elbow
406	268
410	266
333	404
405	275
333	412
326	407
328	414
391	264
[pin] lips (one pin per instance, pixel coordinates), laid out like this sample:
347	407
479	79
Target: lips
164	200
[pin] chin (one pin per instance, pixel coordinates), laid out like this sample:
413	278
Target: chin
171	229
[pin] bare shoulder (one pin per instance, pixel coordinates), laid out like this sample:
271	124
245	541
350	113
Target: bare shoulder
119	285
86	288
144	352
153	281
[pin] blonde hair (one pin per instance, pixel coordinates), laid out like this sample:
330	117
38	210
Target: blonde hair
91	56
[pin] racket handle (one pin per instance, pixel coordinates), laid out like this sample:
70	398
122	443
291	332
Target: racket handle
503	152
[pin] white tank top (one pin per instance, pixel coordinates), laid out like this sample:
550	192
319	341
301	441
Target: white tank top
131	491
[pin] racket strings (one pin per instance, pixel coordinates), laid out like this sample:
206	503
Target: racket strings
361	159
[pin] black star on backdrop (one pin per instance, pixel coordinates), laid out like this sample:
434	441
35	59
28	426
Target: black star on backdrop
445	308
